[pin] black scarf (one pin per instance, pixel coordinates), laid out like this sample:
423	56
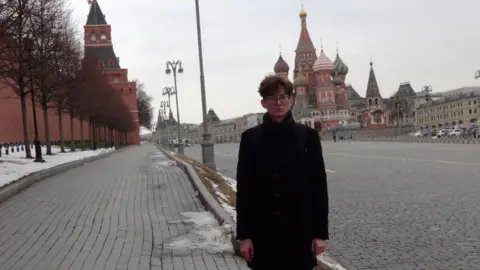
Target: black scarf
288	123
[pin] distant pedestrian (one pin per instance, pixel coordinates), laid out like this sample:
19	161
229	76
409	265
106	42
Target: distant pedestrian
282	198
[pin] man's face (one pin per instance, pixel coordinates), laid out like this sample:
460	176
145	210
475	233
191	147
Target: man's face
278	104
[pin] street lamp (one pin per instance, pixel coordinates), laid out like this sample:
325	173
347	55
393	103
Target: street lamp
38	149
427	89
164	105
176	66
477	74
168	91
208	157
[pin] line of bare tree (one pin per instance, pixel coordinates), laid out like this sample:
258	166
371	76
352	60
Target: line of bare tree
41	57
144	105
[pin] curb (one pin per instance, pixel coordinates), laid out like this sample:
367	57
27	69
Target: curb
23	183
207	199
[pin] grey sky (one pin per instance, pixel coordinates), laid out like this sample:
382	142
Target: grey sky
422	41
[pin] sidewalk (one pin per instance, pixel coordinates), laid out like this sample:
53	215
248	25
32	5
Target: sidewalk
132	210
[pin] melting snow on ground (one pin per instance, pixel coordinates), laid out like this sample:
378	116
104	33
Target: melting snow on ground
330	262
15	166
205	234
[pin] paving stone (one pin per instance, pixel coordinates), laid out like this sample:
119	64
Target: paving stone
109	214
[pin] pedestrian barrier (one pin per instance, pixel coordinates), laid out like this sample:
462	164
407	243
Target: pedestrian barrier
423	140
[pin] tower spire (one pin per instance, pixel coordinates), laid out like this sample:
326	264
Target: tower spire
372	85
304	42
95	16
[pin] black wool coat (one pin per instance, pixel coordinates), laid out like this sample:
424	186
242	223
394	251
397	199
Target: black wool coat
282	198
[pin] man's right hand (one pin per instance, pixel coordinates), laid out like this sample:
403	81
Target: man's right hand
246	248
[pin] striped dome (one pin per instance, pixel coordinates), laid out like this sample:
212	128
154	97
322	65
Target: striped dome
323	63
340	67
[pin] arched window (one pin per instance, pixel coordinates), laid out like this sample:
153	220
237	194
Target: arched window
130	90
103	36
92	36
376	101
370	103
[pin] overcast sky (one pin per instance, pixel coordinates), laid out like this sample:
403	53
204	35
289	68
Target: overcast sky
431	42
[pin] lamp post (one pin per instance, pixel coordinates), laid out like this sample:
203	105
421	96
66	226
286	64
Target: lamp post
208	157
397	105
176	66
477	74
38	150
164	105
427	89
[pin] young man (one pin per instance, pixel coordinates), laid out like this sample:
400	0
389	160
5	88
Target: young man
282	198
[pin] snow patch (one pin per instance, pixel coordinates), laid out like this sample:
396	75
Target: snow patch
205	234
15	166
224	201
330	262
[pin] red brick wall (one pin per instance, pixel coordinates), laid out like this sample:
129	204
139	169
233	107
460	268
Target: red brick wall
11	120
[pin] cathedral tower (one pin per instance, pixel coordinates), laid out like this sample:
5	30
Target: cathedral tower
325	90
98	43
375	116
305	54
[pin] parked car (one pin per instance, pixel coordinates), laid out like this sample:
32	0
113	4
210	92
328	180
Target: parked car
456	132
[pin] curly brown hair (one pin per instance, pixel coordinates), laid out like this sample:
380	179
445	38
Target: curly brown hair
273	83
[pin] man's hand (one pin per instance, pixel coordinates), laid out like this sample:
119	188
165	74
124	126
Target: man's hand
318	247
246	248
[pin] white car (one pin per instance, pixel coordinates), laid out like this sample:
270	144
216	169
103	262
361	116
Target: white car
418	134
455	132
443	132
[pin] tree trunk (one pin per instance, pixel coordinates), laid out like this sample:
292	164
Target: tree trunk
26	141
82	141
105	136
112	143
94	137
47	129
72	134
60	129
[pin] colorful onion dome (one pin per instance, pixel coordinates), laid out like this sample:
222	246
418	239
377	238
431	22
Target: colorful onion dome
323	63
340	67
281	66
337	80
302	13
300	80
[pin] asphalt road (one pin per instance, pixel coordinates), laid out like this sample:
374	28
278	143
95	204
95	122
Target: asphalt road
397	205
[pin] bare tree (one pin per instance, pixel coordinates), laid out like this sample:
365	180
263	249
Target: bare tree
47	15
14	57
144	104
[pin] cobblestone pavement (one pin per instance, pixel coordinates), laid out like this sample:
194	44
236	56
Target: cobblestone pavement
110	214
397	205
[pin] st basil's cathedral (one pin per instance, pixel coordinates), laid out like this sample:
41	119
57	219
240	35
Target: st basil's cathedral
322	99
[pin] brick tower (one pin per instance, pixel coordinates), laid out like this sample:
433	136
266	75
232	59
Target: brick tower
98	43
375	116
305	54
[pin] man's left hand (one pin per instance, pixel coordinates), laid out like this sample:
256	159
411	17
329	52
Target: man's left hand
318	246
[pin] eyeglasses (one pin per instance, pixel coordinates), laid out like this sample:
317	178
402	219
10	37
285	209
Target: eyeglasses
282	98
